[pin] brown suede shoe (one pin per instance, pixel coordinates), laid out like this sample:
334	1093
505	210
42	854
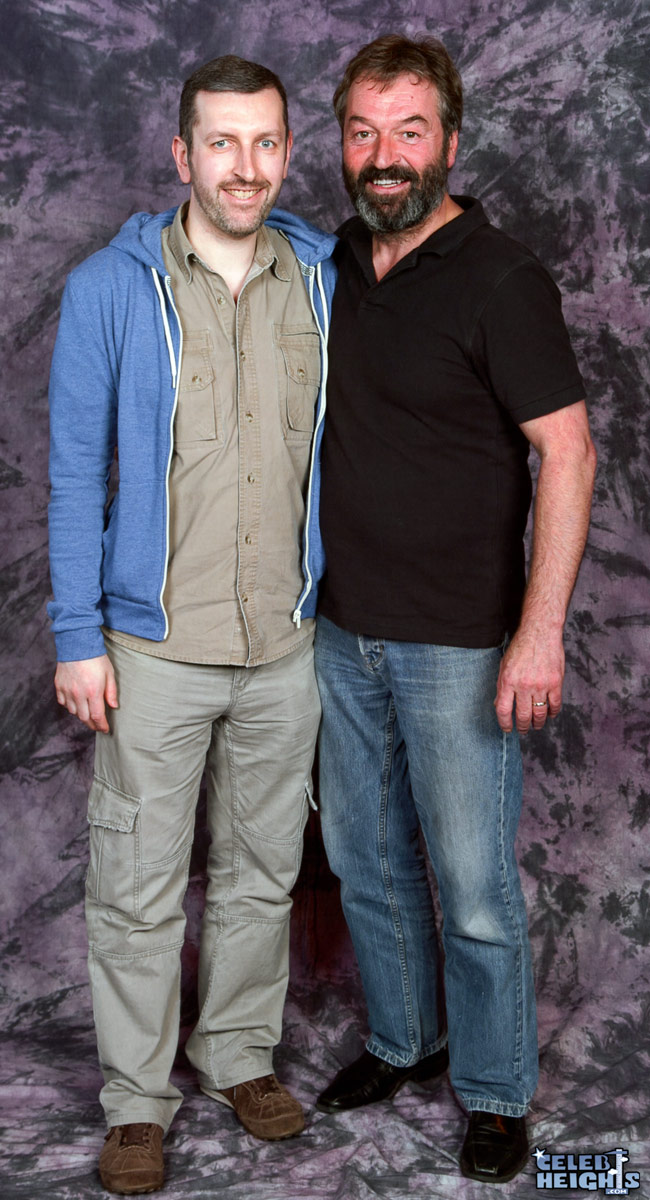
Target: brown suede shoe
131	1160
265	1108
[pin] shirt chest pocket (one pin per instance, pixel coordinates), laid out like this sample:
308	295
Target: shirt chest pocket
299	367
198	412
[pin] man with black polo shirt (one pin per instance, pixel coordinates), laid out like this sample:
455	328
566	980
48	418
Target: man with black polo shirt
449	357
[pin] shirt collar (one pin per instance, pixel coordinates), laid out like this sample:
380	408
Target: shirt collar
441	242
272	249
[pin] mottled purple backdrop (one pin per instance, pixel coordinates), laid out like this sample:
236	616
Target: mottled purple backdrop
556	145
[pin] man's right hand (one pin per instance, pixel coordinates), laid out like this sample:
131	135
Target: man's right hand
82	687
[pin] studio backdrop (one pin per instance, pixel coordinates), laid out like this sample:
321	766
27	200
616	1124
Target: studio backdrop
555	144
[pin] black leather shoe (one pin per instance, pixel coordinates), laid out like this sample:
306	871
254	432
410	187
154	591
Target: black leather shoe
495	1147
370	1079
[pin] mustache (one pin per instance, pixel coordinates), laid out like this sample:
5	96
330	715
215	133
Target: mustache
372	174
244	184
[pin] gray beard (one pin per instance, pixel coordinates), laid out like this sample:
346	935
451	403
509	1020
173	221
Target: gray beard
390	215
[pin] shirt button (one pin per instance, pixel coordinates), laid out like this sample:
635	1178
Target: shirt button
301	373
220	300
251	478
242	355
248	539
244	599
249	416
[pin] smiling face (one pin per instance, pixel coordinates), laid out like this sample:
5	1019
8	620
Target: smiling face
395	154
240	156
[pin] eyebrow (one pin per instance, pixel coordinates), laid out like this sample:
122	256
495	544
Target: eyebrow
223	133
415	119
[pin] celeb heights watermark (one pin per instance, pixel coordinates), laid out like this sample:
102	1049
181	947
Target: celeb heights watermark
586	1172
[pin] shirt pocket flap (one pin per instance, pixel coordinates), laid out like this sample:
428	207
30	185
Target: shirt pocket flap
197	372
111	809
301	353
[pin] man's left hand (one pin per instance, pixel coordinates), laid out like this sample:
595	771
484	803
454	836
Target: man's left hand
530	680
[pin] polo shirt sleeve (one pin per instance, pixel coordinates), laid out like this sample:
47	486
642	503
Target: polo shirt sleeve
521	348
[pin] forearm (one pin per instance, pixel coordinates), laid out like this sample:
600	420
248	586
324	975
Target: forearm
561	521
532	670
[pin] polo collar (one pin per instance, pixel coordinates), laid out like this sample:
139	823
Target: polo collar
441	243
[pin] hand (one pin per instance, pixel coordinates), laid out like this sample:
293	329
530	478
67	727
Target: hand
82	687
532	670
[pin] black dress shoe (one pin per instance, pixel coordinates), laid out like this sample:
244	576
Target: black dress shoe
370	1079
495	1147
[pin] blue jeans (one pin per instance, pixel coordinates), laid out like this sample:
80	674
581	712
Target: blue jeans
410	740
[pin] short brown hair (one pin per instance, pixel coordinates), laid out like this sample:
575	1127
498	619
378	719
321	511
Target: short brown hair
388	57
226	74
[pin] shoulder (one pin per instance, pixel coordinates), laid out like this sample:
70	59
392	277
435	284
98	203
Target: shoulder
135	248
496	252
99	270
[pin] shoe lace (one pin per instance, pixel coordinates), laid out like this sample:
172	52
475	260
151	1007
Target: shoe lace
138	1134
267	1084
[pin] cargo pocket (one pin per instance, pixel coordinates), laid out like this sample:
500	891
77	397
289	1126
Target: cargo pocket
299	364
114	873
198	413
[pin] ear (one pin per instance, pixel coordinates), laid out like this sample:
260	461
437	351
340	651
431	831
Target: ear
452	149
289	148
179	151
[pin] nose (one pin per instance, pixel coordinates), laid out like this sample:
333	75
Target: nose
384	152
245	166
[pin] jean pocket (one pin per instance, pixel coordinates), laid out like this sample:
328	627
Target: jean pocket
114	872
299	378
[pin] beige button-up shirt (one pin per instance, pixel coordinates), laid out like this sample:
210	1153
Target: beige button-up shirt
242	435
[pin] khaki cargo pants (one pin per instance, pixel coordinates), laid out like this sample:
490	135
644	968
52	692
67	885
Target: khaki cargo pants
253	731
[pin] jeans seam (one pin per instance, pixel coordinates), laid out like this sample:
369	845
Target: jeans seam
385	870
518	1055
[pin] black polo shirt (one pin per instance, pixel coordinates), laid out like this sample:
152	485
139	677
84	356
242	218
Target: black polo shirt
425	480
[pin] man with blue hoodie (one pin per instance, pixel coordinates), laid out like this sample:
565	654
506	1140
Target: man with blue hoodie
191	351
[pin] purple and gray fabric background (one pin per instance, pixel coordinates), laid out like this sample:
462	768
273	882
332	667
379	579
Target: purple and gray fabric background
555	143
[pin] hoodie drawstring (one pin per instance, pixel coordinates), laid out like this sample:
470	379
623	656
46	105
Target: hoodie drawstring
168	335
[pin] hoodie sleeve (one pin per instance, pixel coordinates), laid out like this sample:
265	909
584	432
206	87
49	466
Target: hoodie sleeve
83	425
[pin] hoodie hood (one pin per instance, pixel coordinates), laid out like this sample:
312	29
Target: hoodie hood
140	237
310	243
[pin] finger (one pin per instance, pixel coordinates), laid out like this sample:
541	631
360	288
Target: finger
97	716
524	712
110	691
503	706
540	712
554	701
99	724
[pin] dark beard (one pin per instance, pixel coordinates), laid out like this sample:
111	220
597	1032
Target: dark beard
210	204
389	214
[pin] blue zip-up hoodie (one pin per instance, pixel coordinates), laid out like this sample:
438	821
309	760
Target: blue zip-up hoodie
114	385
